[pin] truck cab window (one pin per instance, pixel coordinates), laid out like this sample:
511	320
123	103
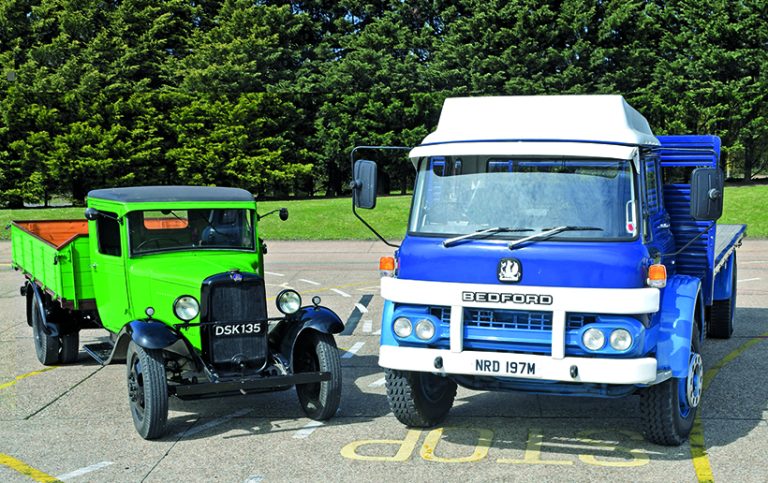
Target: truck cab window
193	229
523	193
108	234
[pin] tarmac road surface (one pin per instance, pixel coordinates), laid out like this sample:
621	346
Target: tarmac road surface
73	423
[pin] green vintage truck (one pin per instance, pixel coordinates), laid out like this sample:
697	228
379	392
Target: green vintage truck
175	276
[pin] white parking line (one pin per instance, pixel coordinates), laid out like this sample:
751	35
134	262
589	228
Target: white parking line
308	281
378	332
308	429
274	274
367	325
212	424
378	383
254	479
83	471
362	308
343	294
353	350
749	280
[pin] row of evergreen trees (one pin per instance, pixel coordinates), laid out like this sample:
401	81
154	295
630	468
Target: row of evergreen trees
272	95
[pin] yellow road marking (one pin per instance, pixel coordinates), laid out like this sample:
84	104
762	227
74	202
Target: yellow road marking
699	456
26	470
24	376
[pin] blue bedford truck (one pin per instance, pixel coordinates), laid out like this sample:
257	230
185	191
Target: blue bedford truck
556	246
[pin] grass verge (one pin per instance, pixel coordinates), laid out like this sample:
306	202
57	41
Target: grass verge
332	219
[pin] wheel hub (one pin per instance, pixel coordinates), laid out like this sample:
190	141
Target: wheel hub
695	380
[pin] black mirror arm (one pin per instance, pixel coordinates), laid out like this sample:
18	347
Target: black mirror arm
696	237
259	217
373	230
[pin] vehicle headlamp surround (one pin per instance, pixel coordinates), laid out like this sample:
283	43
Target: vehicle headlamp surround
186	307
288	302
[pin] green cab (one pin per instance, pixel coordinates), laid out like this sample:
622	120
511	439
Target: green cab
175	275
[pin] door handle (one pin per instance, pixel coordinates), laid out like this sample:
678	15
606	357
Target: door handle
663	225
94	265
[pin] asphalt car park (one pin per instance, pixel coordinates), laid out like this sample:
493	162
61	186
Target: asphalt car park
72	423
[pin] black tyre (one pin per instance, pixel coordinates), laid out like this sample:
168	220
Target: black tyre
668	409
317	353
147	390
721	315
419	399
46	346
70	348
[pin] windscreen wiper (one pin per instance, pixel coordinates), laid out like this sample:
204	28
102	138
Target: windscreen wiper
488	231
548	232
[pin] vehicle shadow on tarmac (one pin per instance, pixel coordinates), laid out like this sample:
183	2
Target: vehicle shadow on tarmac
734	404
274	412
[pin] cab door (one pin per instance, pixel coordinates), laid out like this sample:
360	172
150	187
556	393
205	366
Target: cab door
108	254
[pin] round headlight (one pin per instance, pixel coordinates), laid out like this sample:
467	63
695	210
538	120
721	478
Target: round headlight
288	302
621	339
425	329
402	327
186	308
593	339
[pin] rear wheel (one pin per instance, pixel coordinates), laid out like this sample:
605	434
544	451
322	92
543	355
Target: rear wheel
147	390
419	399
70	348
318	353
668	409
46	346
721	315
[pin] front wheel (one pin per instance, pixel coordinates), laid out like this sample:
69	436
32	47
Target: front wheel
318	353
419	399
669	408
147	390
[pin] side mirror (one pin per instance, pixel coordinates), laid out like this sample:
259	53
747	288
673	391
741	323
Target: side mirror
91	214
707	193
364	184
283	214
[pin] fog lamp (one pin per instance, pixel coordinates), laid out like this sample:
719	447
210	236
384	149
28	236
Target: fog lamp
593	339
288	302
402	327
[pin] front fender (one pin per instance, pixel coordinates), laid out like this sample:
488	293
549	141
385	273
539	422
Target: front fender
677	316
151	334
321	319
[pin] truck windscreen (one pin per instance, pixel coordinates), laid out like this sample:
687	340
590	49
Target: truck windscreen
460	195
179	229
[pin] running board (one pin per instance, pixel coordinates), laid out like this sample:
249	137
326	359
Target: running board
100	351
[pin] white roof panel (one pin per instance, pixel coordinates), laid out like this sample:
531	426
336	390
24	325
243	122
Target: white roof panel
589	118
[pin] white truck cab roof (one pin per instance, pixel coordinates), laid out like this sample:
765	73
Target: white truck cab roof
571	125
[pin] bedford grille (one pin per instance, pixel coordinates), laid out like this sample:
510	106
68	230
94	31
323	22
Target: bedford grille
239	310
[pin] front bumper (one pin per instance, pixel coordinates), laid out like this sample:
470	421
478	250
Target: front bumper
523	366
244	386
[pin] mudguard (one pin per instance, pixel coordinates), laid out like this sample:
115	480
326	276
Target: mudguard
321	319
151	334
51	328
678	307
724	281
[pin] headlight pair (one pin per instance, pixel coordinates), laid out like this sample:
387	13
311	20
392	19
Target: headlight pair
619	340
424	330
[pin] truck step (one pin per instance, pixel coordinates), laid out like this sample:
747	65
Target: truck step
100	351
